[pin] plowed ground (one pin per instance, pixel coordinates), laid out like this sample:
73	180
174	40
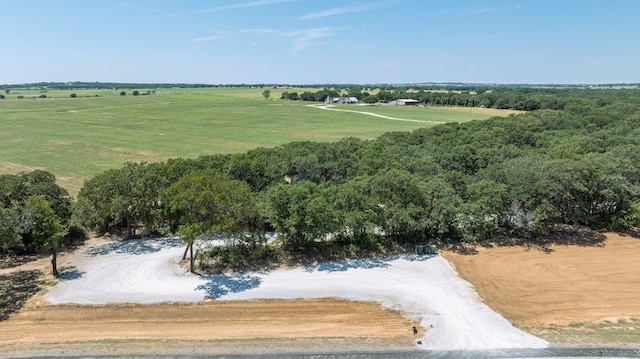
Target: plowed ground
258	324
593	291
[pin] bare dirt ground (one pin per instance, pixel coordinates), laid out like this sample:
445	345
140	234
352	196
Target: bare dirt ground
220	326
563	293
591	292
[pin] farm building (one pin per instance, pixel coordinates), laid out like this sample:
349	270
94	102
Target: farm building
404	102
341	100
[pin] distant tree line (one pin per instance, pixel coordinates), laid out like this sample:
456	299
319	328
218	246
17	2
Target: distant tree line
511	98
412	87
520	176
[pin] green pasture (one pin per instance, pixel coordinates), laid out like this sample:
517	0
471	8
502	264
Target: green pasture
76	138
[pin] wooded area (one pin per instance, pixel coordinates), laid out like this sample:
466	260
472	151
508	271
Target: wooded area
573	159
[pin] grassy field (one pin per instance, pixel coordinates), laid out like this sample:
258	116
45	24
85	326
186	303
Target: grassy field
76	138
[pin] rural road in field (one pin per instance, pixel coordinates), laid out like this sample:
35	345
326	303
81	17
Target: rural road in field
423	288
331	108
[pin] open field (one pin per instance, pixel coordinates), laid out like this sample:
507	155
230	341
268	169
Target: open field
76	138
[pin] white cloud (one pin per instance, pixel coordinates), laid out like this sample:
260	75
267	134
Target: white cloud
299	39
145	9
303	39
220	35
186	15
208	38
243	5
345	10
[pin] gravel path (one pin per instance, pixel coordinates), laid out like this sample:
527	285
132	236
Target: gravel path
421	287
331	108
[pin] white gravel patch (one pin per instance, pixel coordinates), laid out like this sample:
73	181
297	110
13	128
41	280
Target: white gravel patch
424	288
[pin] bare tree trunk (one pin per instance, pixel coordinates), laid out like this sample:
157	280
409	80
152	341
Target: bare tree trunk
54	263
186	250
191	258
129	236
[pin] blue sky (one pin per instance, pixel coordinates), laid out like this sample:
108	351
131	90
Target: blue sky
312	42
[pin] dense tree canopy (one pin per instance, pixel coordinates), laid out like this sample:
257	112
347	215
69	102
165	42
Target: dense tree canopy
456	181
207	204
573	159
35	214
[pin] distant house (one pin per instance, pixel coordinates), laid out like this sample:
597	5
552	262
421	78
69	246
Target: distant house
341	100
405	102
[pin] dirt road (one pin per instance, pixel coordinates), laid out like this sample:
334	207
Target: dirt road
332	108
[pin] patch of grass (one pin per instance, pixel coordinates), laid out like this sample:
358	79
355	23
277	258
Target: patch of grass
77	138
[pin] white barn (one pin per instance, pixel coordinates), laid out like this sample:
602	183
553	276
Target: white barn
404	102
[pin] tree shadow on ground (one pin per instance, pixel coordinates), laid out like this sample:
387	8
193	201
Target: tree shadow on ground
562	235
15	260
134	246
326	256
15	289
70	273
364	263
11	261
219	285
632	232
463	248
344	265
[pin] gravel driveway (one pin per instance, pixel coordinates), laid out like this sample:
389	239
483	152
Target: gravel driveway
424	288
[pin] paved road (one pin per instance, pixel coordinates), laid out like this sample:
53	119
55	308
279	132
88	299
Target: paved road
489	354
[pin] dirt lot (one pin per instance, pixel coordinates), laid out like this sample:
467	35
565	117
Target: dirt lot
570	289
266	323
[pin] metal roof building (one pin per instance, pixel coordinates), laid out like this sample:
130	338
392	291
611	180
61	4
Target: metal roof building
404	102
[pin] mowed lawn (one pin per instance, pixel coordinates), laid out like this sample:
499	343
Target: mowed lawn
76	138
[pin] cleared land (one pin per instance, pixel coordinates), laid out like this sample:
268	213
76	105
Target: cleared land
565	294
216	326
581	294
336	305
76	138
